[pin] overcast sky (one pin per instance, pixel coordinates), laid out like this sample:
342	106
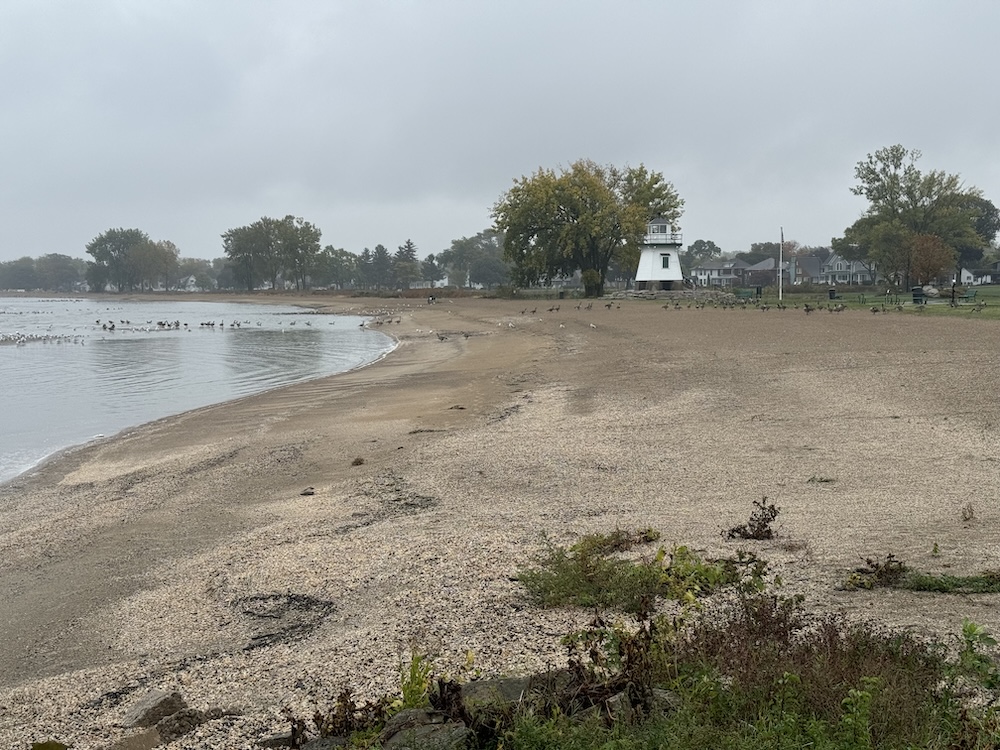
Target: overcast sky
386	121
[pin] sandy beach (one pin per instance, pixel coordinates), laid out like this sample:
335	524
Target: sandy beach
183	554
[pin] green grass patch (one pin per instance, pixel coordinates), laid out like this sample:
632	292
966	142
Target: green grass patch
890	572
987	582
587	575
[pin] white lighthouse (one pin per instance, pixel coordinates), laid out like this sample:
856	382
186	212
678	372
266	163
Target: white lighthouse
659	259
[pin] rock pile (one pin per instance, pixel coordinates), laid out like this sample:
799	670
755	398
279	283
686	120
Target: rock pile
461	712
161	717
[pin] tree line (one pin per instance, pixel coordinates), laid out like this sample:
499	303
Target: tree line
269	253
590	219
586	219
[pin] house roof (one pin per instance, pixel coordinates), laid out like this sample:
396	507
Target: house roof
809	265
720	264
768	264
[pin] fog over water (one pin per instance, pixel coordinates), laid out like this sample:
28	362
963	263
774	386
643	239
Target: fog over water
66	377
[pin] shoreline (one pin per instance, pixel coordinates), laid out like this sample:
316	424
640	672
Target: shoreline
65	450
155	559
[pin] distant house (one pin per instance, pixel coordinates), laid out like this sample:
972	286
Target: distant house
720	272
188	284
976	277
804	269
765	273
659	258
839	270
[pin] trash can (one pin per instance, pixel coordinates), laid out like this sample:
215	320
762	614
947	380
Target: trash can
918	295
562	295
760	291
833	293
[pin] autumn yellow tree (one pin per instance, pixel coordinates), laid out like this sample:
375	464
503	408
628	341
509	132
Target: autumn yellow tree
581	219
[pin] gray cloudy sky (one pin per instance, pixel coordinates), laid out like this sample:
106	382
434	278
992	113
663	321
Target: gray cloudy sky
383	121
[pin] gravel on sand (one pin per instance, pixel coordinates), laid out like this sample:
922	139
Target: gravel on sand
182	555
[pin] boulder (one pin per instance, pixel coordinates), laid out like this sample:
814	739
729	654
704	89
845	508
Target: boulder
451	735
503	690
146	740
326	743
180	723
155	705
422	729
283	739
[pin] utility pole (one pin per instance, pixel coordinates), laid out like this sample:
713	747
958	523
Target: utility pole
781	248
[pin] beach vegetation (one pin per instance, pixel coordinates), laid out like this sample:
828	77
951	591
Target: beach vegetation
890	572
758	526
414	682
759	672
740	666
583	218
590	573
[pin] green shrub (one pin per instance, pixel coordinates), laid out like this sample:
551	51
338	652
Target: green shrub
584	575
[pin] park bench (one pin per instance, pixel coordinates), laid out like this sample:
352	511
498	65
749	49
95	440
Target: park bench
744	293
968	296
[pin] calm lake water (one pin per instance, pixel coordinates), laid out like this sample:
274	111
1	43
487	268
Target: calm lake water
66	377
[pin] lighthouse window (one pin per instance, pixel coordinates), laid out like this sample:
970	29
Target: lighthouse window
665	259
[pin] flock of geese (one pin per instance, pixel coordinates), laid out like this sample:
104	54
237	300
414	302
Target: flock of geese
124	325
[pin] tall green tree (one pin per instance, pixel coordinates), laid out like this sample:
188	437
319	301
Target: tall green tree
19	274
57	272
244	249
431	270
167	257
580	219
457	259
366	269
267	234
986	225
487	266
115	252
299	248
906	208
476	260
405	265
337	267
381	267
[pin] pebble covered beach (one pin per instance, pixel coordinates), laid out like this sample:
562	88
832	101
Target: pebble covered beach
265	553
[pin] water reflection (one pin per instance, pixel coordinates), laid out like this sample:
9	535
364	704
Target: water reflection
83	380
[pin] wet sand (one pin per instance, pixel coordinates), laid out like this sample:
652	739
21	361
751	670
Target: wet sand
182	554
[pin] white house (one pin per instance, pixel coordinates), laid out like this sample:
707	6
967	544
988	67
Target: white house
722	273
838	270
659	258
975	278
